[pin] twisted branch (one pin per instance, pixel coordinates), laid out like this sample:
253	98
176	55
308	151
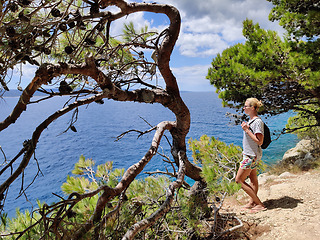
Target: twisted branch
126	180
165	207
31	144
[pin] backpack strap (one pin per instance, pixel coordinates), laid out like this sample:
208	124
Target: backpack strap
251	123
251	128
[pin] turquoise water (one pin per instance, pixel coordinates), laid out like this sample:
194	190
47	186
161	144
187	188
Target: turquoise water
97	128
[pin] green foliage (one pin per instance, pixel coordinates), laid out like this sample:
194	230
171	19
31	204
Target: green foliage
305	126
142	198
219	163
284	74
21	222
131	34
243	70
103	175
300	18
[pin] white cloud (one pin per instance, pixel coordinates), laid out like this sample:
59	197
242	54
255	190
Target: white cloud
22	75
193	78
196	44
222	19
207	28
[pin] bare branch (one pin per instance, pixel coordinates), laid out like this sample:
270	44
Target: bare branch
31	144
165	207
126	180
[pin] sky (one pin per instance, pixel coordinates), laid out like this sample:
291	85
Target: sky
207	28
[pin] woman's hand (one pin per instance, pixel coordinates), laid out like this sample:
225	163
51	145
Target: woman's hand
245	126
258	138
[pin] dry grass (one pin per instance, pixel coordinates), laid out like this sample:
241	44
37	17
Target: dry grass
277	169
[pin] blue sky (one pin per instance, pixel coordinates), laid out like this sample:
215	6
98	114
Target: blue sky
208	27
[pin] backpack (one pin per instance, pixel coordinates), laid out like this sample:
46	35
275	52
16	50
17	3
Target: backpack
266	137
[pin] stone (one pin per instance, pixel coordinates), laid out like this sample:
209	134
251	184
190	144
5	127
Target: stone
286	175
298	152
305	163
264	178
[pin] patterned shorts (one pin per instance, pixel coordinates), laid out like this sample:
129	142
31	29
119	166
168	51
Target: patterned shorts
248	162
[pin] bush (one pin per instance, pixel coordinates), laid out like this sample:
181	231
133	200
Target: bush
219	163
143	197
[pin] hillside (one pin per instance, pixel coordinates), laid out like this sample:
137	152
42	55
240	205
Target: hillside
293	202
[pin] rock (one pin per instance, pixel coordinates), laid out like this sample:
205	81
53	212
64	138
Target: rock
305	145
298	152
286	174
306	163
263	178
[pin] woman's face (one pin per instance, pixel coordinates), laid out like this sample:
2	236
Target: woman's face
248	108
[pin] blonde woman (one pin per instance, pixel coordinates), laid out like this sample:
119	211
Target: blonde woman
252	153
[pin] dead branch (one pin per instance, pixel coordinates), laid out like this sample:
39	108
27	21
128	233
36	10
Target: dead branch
31	144
165	207
127	178
107	83
216	210
133	130
4	156
25	98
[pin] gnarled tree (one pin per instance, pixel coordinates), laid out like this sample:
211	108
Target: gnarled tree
70	43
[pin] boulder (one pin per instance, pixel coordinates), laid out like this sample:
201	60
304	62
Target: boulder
300	155
298	152
306	163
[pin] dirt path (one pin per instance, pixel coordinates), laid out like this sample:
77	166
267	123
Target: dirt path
293	202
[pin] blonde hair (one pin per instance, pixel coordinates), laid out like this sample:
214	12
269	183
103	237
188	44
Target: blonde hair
254	102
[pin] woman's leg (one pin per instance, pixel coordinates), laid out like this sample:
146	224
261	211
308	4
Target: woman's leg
240	178
254	184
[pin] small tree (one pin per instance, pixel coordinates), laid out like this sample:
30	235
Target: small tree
301	20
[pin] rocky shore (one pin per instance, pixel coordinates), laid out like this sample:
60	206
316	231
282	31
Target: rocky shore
293	208
292	201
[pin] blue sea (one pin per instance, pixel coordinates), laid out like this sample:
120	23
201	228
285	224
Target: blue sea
97	128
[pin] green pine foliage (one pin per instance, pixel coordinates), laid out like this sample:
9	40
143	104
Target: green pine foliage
142	198
245	69
305	126
219	163
131	34
300	18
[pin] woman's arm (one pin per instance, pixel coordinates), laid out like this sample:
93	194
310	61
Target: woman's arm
257	138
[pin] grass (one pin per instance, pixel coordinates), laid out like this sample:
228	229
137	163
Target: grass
279	168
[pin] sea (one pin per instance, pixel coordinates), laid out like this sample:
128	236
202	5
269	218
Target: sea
97	128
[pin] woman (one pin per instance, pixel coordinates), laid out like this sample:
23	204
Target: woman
252	153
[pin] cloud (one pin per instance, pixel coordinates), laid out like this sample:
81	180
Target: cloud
22	75
222	20
193	78
195	44
137	18
208	27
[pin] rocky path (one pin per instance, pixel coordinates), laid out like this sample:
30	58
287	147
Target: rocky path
293	202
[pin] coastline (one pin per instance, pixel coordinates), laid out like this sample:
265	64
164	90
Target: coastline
291	199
